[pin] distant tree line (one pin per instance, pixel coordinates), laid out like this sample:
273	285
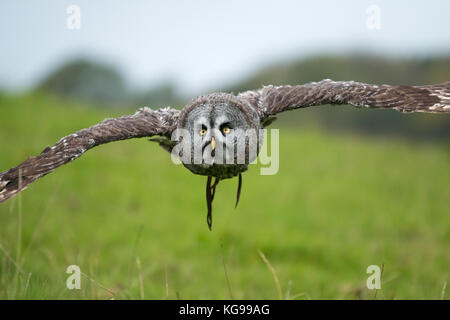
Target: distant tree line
85	80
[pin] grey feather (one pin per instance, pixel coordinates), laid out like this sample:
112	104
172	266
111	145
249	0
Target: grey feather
251	109
144	123
271	100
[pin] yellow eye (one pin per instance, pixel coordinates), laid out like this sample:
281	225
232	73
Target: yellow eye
203	132
226	130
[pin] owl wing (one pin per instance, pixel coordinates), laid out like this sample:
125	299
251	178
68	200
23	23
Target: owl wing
144	123
271	100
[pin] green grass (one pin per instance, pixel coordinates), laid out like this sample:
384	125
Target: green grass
337	205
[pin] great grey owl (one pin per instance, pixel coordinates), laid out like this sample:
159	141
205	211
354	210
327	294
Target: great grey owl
195	133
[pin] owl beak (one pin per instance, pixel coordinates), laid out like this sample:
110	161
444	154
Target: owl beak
213	143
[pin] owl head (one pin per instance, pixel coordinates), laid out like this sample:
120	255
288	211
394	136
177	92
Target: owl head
218	135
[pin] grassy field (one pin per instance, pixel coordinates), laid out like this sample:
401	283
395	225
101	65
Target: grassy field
135	223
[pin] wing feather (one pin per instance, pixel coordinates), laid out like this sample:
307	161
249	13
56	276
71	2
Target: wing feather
144	123
271	100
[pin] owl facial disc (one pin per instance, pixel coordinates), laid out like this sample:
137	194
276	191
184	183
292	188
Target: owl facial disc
218	136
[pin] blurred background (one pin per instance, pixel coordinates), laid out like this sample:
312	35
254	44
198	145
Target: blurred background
355	187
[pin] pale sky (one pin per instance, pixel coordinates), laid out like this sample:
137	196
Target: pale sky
204	44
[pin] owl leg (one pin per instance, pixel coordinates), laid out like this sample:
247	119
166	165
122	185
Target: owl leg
210	192
213	188
239	190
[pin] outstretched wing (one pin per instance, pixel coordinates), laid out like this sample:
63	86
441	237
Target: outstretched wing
144	123
271	100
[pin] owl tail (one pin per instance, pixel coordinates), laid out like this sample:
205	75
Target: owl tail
211	191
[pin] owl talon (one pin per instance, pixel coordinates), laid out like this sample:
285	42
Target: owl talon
238	195
210	192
